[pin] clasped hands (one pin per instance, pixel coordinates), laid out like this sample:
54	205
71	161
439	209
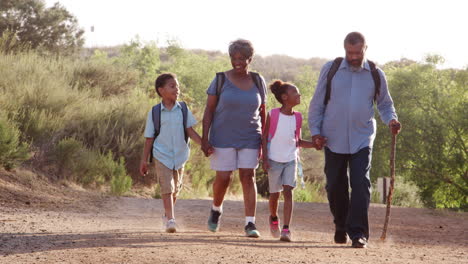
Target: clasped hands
319	141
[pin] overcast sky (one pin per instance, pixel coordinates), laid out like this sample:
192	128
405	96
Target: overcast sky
300	28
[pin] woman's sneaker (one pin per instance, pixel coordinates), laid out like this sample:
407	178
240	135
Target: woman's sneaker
171	226
285	235
251	230
274	226
213	220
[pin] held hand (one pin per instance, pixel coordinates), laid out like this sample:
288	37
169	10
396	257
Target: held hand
210	151
316	141
265	165
206	147
319	141
395	127
143	168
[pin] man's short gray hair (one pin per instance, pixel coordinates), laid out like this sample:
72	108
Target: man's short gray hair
354	37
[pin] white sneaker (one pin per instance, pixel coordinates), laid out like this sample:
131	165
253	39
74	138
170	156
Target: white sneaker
171	226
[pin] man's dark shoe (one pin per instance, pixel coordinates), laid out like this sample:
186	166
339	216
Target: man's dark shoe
359	242
341	237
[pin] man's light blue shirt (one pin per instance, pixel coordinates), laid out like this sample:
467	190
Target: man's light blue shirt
170	147
348	119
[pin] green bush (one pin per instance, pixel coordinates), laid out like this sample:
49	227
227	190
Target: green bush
65	154
120	182
314	192
106	78
405	194
114	125
90	167
36	94
48	100
12	151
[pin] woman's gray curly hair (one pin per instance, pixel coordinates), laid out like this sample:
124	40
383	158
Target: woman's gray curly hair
243	46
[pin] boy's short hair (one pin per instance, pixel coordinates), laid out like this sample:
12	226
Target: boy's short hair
162	79
243	46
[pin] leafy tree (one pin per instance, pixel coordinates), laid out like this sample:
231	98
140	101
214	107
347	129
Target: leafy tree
142	58
432	106
51	29
9	42
194	72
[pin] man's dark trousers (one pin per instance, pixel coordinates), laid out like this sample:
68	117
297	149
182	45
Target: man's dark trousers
350	215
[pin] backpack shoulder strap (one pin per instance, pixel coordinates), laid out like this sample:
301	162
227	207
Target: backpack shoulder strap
274	117
376	77
260	85
333	69
220	78
298	116
184	118
156	113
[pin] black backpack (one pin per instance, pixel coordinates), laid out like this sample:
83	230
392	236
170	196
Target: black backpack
220	78
156	113
334	68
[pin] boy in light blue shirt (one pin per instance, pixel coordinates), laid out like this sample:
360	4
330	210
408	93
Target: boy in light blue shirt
170	146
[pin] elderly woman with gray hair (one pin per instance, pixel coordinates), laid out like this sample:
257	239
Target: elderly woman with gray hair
232	129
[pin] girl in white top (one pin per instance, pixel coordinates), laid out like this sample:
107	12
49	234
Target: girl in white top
281	142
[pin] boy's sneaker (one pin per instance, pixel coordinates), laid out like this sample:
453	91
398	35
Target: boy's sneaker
213	220
171	226
251	230
274	227
285	235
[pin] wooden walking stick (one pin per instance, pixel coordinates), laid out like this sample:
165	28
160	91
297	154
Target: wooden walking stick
392	183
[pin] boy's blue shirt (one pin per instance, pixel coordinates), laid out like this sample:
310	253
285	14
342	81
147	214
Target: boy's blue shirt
170	147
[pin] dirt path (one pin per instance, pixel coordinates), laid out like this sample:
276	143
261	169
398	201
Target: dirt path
128	230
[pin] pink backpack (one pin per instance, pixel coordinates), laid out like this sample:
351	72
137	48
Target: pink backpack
274	117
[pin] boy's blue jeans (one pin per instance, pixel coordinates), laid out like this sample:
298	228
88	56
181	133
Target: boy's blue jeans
350	215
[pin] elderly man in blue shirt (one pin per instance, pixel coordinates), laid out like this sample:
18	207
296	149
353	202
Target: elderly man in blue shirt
342	121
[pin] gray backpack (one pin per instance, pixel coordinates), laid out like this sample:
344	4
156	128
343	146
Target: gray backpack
334	68
220	78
